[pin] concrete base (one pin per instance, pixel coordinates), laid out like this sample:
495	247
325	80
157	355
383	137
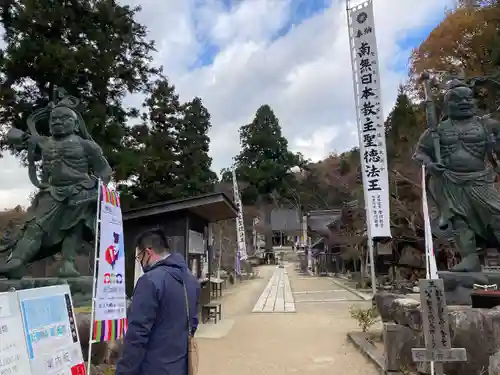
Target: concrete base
359	340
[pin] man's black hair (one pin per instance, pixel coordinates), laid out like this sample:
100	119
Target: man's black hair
154	239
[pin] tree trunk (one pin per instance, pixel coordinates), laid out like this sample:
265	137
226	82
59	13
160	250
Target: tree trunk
269	230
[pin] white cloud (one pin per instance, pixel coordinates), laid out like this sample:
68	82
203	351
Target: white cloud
15	186
305	75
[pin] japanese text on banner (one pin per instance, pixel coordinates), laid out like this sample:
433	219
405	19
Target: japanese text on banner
370	119
240	226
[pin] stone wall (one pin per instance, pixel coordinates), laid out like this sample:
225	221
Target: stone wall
476	330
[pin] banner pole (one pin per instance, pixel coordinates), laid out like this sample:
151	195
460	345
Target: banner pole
219	261
94	281
430	258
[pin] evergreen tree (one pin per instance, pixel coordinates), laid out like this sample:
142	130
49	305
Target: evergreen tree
194	176
402	128
154	144
92	48
265	163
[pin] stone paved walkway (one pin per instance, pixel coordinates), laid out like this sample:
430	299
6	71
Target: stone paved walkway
312	341
277	296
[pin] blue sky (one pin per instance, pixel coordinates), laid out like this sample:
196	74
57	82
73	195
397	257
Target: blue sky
302	10
299	11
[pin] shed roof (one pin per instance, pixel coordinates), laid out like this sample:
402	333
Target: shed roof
211	207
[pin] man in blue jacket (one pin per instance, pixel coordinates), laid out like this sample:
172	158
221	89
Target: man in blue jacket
156	342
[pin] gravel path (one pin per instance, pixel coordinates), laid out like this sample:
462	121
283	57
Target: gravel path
310	341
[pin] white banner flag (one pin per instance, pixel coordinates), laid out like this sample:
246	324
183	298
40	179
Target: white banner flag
240	225
430	258
370	118
110	297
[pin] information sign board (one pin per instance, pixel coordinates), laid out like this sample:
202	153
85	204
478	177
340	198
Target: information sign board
50	331
13	354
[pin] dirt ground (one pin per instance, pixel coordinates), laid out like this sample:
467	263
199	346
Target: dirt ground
310	341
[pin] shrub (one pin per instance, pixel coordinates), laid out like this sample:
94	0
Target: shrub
365	317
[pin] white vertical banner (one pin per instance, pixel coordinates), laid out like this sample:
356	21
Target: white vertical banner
371	131
109	303
110	297
303	240
240	225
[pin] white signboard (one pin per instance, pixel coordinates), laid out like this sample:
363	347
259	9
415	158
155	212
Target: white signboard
196	243
13	352
240	224
110	297
370	118
50	331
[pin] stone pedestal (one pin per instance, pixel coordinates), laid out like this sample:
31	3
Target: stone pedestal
494	365
398	342
476	330
458	286
81	287
485	299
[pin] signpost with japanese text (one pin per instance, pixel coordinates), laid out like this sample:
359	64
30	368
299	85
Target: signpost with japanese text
436	328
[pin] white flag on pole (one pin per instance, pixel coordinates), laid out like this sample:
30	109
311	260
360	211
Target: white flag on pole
371	130
430	258
240	225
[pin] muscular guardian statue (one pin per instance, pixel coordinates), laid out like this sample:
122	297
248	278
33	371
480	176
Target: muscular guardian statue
458	154
64	209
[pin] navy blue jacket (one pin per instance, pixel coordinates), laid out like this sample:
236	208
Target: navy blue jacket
156	341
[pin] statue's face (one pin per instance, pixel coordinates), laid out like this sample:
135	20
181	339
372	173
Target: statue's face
461	103
62	121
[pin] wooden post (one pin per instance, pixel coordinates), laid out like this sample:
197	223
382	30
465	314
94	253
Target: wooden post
436	328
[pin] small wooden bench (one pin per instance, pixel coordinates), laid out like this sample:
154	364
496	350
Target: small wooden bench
216	287
212	310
